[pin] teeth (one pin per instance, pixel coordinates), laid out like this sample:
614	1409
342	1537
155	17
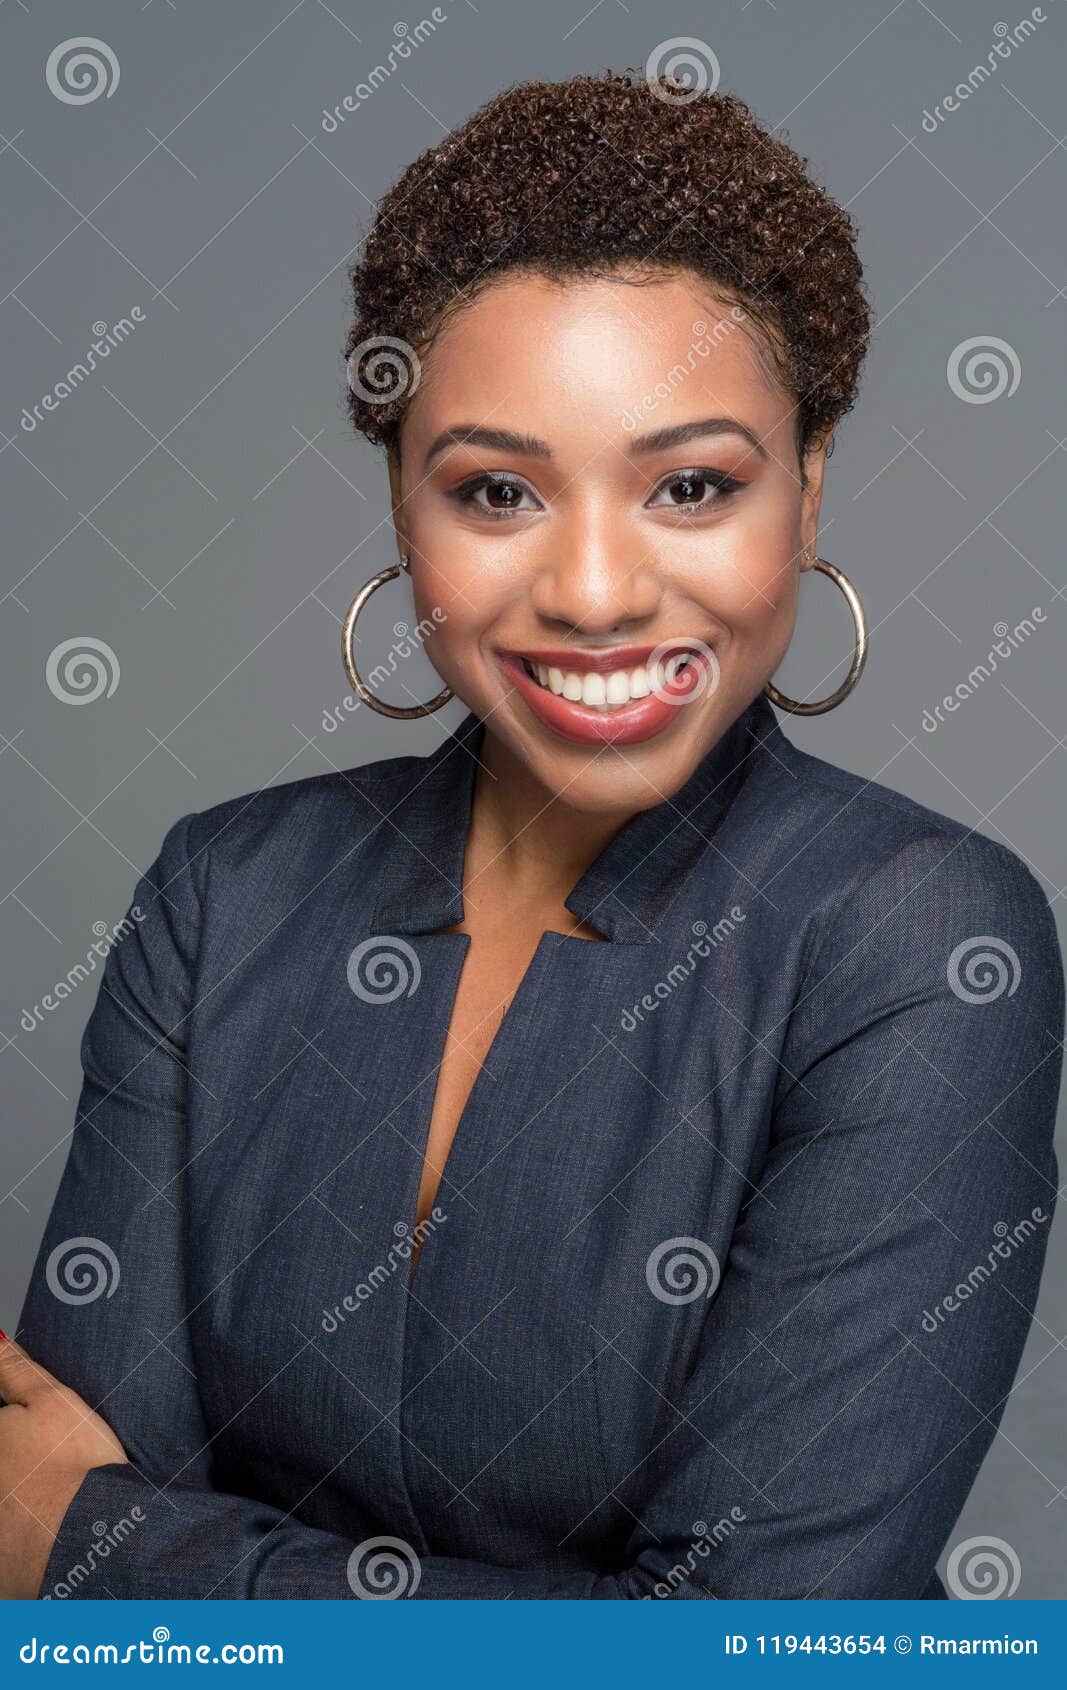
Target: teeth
607	692
640	686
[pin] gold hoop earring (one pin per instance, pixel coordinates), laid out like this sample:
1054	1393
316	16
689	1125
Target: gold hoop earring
859	654
348	640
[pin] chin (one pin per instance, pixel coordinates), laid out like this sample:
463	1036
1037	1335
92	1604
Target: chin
628	778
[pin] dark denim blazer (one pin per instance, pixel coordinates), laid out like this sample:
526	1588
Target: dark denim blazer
734	1254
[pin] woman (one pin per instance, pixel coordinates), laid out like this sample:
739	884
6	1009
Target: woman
698	1073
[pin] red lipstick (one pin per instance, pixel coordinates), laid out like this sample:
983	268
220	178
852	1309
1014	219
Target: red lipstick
623	724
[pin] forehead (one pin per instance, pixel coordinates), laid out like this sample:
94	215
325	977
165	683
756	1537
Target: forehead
598	354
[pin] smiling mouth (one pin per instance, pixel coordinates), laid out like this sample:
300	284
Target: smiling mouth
611	690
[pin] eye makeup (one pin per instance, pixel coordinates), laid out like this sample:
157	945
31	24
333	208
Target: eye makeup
700	489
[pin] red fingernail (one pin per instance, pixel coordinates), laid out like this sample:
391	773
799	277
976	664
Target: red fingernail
3	1334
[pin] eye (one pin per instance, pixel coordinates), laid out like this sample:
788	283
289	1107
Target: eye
496	496
693	490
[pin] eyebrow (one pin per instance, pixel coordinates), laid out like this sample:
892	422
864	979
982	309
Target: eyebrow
506	440
684	432
502	439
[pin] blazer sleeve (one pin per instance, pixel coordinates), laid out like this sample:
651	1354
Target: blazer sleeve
853	1366
881	1281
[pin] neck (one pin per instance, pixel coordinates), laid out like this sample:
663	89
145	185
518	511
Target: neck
525	838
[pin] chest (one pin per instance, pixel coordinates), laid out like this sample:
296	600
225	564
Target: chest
577	1103
500	956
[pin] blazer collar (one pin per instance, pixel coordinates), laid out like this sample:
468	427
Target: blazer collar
622	894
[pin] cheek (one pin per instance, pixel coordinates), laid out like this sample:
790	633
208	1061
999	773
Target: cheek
455	583
443	571
746	572
472	577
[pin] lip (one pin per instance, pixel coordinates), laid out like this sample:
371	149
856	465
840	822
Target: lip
595	662
628	724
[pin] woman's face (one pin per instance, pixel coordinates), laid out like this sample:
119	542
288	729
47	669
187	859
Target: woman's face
597	480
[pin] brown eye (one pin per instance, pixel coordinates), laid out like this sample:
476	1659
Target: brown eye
693	490
495	495
502	495
687	489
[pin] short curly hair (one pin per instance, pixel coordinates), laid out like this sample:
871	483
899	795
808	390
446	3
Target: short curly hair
600	175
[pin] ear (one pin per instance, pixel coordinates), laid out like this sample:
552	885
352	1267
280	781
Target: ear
811	500
397	497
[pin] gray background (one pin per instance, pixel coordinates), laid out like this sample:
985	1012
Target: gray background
200	505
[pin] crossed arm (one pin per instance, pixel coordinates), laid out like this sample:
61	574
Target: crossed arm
854	1364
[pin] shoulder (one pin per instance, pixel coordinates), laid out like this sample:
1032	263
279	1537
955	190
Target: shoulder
903	903
291	832
932	971
857	845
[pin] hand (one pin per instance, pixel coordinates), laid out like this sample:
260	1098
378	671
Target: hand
49	1440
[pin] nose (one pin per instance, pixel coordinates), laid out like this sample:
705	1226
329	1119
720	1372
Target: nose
595	578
